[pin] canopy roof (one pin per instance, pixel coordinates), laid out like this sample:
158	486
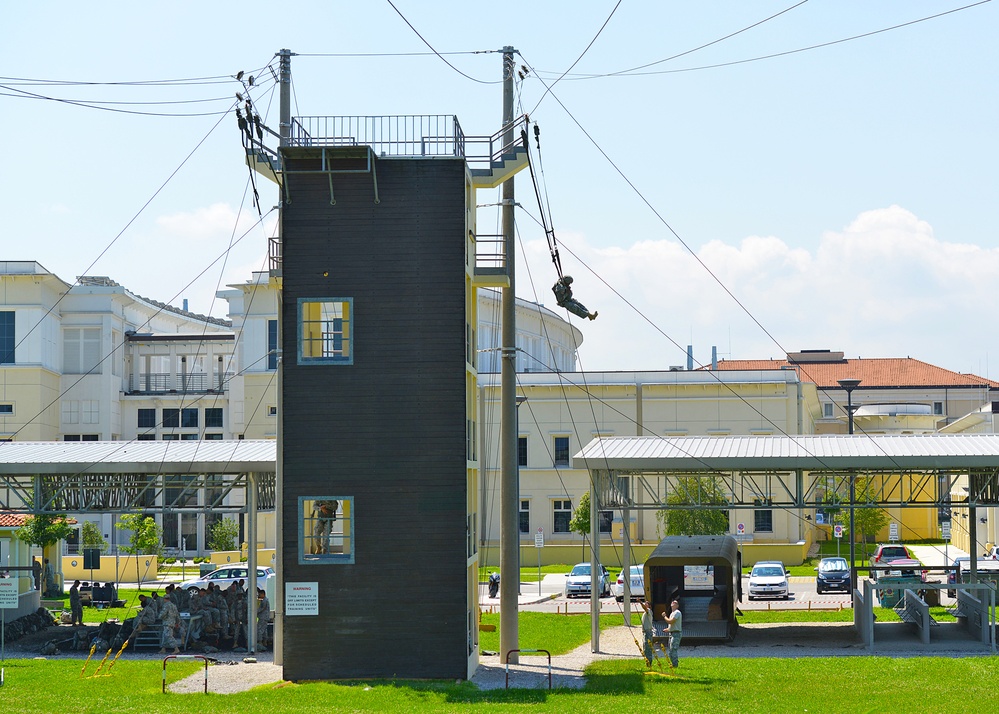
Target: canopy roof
831	452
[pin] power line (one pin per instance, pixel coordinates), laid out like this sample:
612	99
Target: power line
23	94
585	50
631	73
439	55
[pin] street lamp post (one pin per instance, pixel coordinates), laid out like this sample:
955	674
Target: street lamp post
849	385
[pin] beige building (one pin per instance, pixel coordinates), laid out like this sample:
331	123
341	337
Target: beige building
563	412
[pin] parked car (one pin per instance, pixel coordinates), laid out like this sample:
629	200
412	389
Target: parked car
889	552
637	584
832	575
768	579
577	582
229	574
992	553
952	575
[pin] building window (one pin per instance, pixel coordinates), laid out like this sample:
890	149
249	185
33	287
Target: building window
827	410
7	341
763	518
213	437
272	344
213	418
6	409
525	515
189	418
938	408
146	437
326	530
147	419
271	411
561	450
325	334
522	451
171	418
604	521
561	515
171	437
81	350
81	437
188	437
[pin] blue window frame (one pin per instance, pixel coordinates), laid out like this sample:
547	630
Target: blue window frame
326	529
7	342
326	331
272	344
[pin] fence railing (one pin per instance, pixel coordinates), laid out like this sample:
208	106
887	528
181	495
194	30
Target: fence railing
166	382
412	135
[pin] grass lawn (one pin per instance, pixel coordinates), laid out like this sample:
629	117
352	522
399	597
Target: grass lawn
844	684
544	630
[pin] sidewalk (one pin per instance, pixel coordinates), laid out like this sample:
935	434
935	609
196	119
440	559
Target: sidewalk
936	555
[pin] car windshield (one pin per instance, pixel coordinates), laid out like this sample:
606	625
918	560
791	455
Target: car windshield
894	553
832	565
768	571
580	570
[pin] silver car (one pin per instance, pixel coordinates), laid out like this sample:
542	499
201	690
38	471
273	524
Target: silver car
577	582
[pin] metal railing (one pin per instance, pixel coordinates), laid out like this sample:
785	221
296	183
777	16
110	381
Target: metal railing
166	382
415	135
484	151
409	135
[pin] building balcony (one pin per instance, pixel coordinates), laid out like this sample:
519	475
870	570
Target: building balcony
166	383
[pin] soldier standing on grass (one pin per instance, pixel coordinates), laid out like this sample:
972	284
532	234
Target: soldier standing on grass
75	605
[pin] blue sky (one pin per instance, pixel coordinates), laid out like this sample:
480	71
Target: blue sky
842	197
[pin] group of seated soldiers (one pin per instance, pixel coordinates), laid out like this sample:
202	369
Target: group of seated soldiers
222	618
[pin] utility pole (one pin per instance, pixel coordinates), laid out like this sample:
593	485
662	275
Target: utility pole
509	491
284	116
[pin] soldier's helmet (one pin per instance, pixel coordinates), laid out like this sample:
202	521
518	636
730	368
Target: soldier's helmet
567	279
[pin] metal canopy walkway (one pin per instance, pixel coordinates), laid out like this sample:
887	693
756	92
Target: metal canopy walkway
123	476
924	470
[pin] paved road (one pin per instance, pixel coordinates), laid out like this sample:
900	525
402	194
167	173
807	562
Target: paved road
549	597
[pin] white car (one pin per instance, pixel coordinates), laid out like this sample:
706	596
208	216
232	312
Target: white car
637	584
768	579
229	574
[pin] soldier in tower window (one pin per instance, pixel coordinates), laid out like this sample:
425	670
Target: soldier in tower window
323	515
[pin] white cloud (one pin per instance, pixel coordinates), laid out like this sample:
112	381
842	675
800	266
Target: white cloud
883	286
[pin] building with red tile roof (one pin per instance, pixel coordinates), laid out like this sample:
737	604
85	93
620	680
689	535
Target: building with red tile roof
895	394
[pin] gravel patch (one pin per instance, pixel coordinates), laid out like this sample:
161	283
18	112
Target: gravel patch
229	677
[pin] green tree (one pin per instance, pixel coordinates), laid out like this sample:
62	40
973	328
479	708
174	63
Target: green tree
580	522
868	520
685	518
45	529
147	536
91	537
222	534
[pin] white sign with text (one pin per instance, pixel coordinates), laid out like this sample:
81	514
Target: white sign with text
8	593
301	598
